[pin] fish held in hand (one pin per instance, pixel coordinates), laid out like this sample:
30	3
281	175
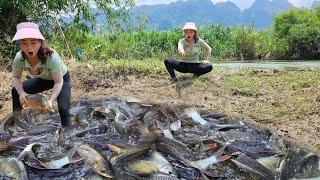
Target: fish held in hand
36	102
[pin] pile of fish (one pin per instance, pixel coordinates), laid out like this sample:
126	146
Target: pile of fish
118	138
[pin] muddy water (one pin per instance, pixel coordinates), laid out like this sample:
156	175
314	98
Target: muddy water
288	65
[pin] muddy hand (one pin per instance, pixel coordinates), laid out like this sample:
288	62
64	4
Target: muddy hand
206	62
181	53
48	106
23	99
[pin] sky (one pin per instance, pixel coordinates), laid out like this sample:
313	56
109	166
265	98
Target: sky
243	4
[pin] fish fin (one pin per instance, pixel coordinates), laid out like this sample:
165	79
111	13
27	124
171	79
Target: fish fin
223	158
4	146
26	151
71	154
21	155
204	176
114	148
209	146
104	174
221	150
161	125
43	164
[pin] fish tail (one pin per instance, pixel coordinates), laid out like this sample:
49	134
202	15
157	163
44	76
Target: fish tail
71	154
114	148
223	158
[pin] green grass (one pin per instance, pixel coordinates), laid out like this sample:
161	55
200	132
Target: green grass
228	43
132	66
281	90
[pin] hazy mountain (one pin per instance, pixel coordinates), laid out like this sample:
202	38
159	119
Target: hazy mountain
261	12
315	3
163	16
174	14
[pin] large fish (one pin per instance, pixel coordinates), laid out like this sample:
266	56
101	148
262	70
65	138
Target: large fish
48	169
162	163
94	159
254	148
82	115
60	163
169	146
123	155
271	162
142	167
203	164
121	121
300	165
36	102
253	167
28	152
13	169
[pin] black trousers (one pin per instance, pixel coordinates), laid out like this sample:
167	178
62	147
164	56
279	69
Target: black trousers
197	69
36	85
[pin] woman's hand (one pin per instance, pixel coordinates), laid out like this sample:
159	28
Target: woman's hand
181	52
206	62
22	98
48	106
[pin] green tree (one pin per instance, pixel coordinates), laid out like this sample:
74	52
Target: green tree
317	9
46	12
245	39
300	30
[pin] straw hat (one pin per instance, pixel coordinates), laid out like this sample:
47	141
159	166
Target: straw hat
27	30
190	25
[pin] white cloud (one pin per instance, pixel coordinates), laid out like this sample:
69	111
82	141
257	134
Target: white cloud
302	3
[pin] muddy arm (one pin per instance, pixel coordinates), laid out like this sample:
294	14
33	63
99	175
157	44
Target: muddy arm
58	83
16	80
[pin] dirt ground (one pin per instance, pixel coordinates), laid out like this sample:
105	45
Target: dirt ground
154	88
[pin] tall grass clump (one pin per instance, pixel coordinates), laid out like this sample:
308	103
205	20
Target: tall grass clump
228	43
220	39
140	44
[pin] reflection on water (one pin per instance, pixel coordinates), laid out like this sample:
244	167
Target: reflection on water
289	65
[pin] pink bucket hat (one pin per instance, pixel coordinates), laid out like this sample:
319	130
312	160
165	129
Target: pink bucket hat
190	25
27	30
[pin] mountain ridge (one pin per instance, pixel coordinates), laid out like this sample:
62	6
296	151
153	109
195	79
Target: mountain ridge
162	16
